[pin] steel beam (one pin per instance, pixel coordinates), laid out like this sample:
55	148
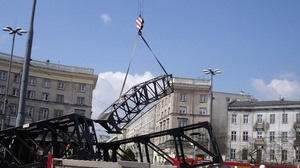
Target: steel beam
131	103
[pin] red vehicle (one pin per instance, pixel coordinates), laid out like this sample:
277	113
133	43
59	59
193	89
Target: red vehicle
231	164
190	161
226	164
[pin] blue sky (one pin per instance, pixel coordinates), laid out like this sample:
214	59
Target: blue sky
255	43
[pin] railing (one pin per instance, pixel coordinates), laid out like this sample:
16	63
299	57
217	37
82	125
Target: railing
191	81
49	65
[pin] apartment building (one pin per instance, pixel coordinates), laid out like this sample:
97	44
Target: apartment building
188	104
264	131
143	124
53	89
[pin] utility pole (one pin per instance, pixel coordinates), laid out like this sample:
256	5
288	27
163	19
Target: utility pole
21	110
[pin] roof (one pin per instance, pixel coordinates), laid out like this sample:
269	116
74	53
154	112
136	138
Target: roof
263	104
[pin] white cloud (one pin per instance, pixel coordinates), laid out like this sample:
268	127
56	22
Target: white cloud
109	86
106	18
288	88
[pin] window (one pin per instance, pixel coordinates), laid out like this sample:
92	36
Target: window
245	154
202	111
80	100
13	108
259	135
28	111
182	123
45	96
272	136
233	118
182	109
272	155
15	92
233	135
46	83
232	153
284	118
284	155
297	153
58	113
245	118
245	136
2	75
43	113
2	89
31	81
17	78
202	98
298	117
297	134
81	88
272	118
61	85
284	136
259	119
183	97
228	99
1	107
30	94
60	98
202	138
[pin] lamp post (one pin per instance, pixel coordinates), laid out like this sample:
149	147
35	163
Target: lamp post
12	31
212	73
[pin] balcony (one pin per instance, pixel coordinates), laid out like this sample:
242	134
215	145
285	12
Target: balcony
259	126
296	125
259	142
297	143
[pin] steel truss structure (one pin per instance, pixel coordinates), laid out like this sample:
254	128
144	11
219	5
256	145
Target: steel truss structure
131	103
112	150
30	144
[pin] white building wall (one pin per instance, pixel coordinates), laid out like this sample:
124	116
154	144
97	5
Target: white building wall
278	145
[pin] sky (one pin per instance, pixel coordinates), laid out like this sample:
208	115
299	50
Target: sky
255	43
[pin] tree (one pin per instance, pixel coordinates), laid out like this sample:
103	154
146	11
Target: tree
128	155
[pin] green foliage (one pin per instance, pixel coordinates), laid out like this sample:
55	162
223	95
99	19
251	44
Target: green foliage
128	155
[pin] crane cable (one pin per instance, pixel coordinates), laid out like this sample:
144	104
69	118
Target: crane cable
134	47
139	25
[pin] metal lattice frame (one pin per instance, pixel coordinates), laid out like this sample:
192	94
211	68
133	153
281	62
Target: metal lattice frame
180	136
31	143
130	104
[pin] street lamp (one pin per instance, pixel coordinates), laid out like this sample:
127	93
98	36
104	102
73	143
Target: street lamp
12	31
212	73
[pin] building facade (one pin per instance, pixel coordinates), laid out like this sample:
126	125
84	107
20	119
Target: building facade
264	131
188	104
53	89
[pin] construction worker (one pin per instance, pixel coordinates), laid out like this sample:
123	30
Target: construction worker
69	151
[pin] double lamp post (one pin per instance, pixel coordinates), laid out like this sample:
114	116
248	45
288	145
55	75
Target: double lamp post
13	32
212	73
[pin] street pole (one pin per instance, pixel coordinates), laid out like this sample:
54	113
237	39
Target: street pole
21	110
212	73
18	31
